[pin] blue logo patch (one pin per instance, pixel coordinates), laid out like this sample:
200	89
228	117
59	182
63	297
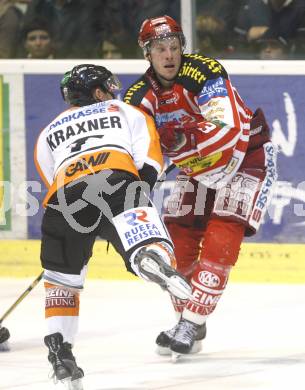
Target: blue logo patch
174	117
133	218
212	89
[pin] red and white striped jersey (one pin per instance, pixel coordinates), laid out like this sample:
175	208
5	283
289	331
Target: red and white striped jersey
202	96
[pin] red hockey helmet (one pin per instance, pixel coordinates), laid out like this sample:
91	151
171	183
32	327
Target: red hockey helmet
157	28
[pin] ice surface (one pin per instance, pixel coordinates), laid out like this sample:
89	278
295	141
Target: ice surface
255	340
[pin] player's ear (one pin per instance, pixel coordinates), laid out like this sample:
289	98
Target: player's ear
98	94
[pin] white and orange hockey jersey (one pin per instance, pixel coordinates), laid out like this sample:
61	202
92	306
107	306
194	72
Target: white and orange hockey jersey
104	135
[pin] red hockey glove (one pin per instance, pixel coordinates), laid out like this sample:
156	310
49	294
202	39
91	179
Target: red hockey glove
167	137
176	138
259	130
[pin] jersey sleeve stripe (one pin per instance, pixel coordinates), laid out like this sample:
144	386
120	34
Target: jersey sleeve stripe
148	106
236	117
223	135
154	149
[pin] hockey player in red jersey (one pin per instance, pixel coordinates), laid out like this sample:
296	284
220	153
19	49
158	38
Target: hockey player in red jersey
227	169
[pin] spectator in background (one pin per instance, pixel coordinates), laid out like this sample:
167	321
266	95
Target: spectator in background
273	49
111	35
214	25
271	19
115	48
139	10
118	22
10	21
110	50
71	23
37	40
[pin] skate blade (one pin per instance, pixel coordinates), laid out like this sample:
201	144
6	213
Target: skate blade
197	347
176	285
175	357
166	351
77	384
163	351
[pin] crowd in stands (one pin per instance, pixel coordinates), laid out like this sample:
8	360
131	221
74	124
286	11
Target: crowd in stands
251	29
244	29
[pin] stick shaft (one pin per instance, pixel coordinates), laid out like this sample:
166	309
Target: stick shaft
22	296
163	175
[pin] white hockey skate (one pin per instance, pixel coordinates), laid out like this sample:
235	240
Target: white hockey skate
65	369
151	264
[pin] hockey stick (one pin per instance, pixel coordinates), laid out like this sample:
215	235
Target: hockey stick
163	175
4	333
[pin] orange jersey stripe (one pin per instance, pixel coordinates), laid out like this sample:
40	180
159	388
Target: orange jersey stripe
90	163
154	149
49	285
62	311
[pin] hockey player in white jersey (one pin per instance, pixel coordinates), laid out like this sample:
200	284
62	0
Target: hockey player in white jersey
99	161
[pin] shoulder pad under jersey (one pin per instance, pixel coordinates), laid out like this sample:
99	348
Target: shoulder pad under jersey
135	93
196	69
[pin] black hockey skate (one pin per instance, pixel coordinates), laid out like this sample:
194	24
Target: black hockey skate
165	338
4	336
184	338
154	268
63	362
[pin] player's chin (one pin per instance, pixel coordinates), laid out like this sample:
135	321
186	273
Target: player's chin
169	75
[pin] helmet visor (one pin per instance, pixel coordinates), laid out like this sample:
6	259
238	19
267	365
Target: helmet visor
113	84
171	42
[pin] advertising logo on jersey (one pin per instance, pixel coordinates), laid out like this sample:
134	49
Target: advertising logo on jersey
136	217
198	164
209	279
113	108
133	90
213	89
264	195
138	225
57	297
81	113
171	98
178	116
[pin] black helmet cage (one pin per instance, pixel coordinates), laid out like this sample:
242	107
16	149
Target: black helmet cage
77	85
